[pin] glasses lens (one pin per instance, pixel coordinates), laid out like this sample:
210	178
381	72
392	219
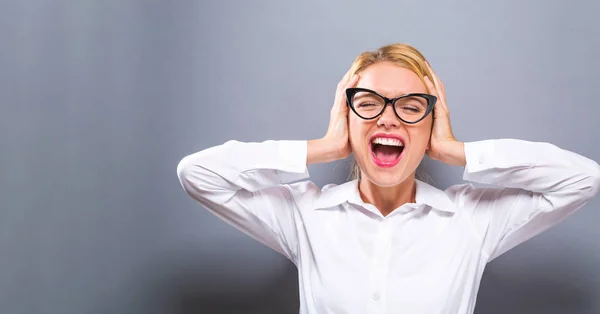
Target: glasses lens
367	104
411	108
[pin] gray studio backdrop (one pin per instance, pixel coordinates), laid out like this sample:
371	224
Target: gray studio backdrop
101	99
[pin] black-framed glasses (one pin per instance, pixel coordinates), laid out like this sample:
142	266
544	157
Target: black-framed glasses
410	108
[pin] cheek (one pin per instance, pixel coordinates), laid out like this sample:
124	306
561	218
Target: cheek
419	137
356	131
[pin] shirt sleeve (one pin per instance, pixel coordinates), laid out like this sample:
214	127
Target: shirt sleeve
540	184
244	184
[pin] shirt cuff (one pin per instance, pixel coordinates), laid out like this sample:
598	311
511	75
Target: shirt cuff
498	154
479	156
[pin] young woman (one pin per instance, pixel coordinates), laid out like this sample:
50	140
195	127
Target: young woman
387	242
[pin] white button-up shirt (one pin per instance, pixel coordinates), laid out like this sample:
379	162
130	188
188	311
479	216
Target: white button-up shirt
424	257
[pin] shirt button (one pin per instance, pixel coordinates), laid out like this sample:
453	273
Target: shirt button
376	296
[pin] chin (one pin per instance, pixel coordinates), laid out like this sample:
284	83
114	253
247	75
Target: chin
385	180
385	183
385	177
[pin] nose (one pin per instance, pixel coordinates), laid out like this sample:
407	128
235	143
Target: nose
388	118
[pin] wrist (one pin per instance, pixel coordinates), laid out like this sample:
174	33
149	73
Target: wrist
321	151
454	154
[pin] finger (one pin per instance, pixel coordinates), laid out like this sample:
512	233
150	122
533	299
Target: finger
341	87
431	87
345	78
430	69
439	86
341	99
434	78
353	81
350	83
441	101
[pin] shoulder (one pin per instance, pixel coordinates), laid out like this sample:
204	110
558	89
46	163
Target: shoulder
303	192
303	188
308	195
463	194
457	190
469	196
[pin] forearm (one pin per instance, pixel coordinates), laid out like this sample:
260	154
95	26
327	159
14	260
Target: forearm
534	166
454	154
237	165
321	151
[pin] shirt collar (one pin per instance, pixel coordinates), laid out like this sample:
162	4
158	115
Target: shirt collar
333	195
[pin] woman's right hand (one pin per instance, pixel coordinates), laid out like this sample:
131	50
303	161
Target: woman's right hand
335	144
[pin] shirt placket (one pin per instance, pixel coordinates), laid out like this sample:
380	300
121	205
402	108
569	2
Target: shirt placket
379	269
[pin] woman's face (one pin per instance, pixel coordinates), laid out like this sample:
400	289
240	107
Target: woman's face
387	163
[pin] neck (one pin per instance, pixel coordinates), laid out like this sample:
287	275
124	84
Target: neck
386	199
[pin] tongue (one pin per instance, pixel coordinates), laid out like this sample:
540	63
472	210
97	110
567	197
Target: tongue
387	153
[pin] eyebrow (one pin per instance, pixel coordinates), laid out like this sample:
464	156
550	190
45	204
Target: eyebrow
397	94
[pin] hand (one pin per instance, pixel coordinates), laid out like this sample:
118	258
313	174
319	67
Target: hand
337	132
443	146
336	143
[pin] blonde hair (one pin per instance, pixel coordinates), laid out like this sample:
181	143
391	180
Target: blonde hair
400	54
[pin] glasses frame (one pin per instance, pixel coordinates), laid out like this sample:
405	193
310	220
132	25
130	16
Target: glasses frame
350	92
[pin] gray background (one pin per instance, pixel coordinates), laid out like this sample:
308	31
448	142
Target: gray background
101	99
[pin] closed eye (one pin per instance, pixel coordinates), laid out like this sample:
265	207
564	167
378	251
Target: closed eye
367	105
413	109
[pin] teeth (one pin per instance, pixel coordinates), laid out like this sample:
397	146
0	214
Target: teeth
387	141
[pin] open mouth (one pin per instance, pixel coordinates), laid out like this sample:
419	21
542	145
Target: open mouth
386	152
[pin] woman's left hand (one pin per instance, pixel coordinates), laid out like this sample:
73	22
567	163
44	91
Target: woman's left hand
443	146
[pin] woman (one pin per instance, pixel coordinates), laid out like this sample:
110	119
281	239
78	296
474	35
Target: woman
387	242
